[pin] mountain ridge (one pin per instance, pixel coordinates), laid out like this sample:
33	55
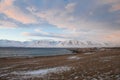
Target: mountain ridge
53	43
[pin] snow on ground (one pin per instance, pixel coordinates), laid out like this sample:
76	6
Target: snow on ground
108	58
89	53
73	58
41	72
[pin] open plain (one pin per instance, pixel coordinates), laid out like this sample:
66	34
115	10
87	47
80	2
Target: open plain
83	64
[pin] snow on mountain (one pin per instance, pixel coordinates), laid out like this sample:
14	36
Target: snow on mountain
52	43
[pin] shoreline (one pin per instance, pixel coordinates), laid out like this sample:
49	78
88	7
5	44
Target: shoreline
72	50
37	56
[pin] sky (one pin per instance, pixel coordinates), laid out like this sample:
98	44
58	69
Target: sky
94	20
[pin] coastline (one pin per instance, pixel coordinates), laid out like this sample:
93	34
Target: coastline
72	51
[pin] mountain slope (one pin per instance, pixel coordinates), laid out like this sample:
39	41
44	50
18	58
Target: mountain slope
52	43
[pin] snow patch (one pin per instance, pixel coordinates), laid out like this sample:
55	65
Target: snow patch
107	58
42	72
88	53
73	58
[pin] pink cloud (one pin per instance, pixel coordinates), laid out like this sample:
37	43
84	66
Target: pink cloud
115	7
26	34
115	4
9	9
108	1
112	37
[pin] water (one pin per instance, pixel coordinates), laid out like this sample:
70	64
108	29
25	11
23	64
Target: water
32	52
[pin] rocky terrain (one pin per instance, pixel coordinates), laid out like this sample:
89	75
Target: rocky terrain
89	64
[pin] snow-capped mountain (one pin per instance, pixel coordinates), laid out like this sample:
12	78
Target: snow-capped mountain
52	43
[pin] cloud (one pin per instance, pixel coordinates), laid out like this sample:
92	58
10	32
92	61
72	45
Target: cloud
8	8
66	16
114	4
81	35
56	18
110	1
80	19
62	19
115	7
26	34
79	26
40	31
70	7
7	24
112	37
41	35
94	35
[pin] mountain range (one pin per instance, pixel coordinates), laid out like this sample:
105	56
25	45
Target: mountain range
53	43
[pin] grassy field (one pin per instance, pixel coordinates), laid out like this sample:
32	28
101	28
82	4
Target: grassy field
84	64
